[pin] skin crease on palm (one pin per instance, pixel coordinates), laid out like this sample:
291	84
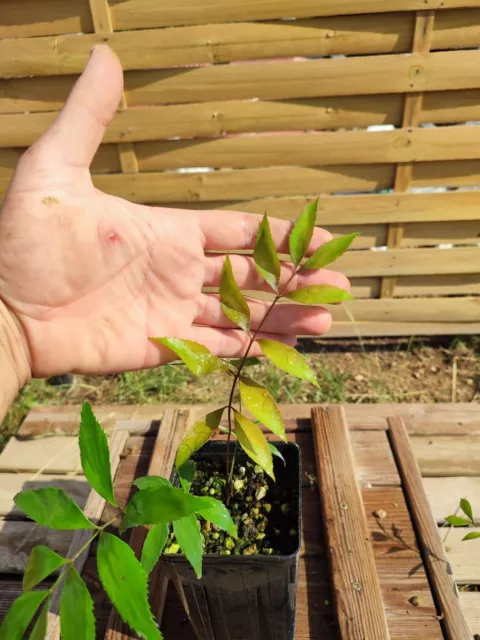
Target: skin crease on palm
86	278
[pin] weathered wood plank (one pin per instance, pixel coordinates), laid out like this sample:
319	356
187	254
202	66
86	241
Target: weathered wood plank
28	18
444	494
447	455
356	585
436	562
470	602
52	455
18	537
462	554
384	329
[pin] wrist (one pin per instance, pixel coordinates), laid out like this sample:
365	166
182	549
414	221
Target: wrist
15	369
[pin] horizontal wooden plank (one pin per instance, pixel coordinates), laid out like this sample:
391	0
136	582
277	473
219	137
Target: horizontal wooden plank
383	329
306	149
17	539
50	455
366	75
444	494
138	14
29	18
12	483
374	463
463	309
427	285
452	27
171	47
364	209
450	106
462	556
470	602
461	173
434	233
447	455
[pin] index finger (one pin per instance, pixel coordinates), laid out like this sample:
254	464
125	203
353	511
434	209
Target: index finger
234	230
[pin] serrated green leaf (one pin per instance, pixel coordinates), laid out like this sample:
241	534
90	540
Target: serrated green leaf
95	455
145	482
51	507
287	359
466	507
330	251
199	434
456	521
125	582
249	362
39	631
185	474
76	609
233	301
159	504
302	232
20	614
276	452
319	294
194	355
189	537
471	536
154	544
40	564
217	513
261	404
254	443
265	255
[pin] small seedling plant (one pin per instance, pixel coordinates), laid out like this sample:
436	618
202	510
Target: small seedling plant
172	512
466	520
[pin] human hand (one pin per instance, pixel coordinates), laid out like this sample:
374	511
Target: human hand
87	277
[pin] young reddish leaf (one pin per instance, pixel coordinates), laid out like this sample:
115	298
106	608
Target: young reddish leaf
153	546
330	251
254	443
125	582
233	301
41	563
39	631
51	507
261	404
197	436
471	536
76	609
302	232
189	537
456	521
20	614
194	355
217	513
95	455
319	294
265	255
288	359
466	507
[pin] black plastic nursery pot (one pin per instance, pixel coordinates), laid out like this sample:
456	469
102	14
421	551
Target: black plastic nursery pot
244	597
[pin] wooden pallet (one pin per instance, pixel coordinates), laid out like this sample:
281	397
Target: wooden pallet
361	575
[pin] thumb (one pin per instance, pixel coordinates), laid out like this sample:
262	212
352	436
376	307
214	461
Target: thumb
77	132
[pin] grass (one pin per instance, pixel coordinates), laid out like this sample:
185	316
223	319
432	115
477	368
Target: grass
370	371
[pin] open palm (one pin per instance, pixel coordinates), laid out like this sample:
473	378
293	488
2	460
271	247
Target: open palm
89	277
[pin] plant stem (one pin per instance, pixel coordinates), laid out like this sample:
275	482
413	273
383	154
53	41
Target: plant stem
253	337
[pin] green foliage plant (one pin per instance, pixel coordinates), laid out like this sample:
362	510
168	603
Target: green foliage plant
166	509
466	520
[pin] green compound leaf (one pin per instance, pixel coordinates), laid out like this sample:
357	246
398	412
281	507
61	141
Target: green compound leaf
198	435
125	582
185	474
265	255
76	609
20	614
319	294
330	251
41	563
95	455
288	359
39	631
217	513
261	404
159	504
233	301
302	232
456	521
194	355
466	507
254	443
51	507
153	546
471	536
189	537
